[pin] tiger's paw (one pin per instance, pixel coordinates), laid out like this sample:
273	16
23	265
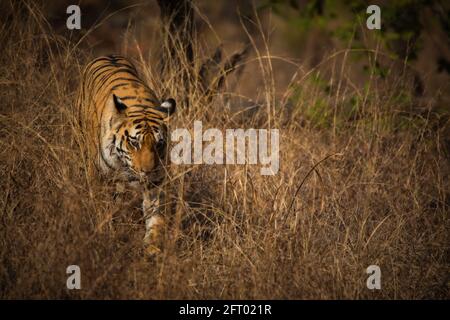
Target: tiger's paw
152	250
154	235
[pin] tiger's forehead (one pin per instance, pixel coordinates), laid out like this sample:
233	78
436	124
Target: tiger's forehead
135	94
130	128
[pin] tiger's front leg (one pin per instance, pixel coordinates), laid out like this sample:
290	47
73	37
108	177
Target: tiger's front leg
154	221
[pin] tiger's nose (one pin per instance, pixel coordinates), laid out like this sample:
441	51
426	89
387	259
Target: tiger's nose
144	163
146	171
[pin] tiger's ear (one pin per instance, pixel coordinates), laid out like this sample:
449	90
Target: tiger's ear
168	107
118	104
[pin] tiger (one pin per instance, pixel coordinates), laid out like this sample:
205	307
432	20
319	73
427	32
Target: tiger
125	127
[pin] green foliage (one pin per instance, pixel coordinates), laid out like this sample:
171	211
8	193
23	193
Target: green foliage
402	21
344	22
374	111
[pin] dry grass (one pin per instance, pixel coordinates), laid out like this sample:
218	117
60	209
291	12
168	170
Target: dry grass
380	195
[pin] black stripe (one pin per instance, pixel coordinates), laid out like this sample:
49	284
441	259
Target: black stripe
128	66
128	97
130	79
152	112
104	83
143	113
115	57
112	60
92	72
147	109
90	64
111	74
152	101
152	122
116	65
130	69
140	105
146	118
119	85
106	59
94	78
124	69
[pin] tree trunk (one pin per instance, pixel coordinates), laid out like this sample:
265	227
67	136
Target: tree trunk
179	36
177	17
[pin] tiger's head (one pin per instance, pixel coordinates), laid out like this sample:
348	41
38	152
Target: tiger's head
139	138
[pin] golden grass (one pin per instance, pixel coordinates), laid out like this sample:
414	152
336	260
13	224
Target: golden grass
346	197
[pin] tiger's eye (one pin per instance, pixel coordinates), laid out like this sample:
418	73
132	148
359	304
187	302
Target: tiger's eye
134	143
